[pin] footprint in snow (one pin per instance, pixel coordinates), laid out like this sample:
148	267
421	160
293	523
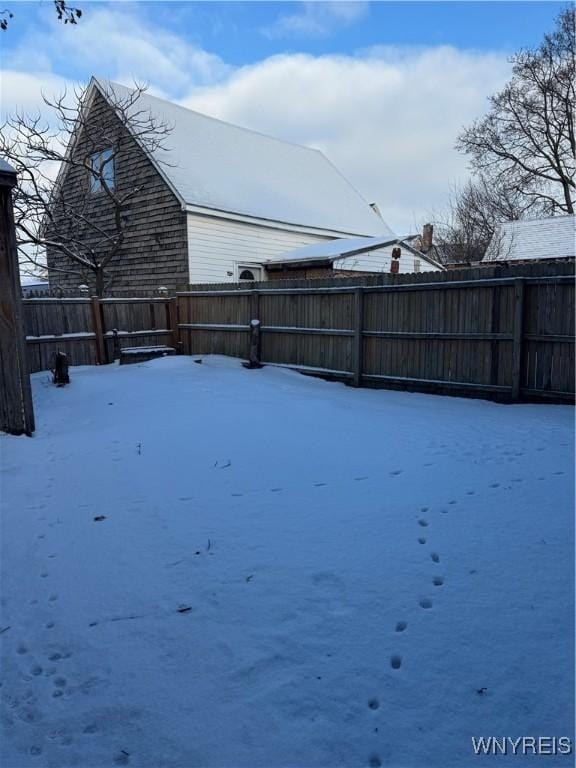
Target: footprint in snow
425	602
396	472
373	703
396	661
361	478
319	485
435	557
401	626
375	762
438	581
423	523
422	540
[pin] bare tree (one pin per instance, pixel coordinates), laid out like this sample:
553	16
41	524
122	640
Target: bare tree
81	224
69	14
474	212
526	143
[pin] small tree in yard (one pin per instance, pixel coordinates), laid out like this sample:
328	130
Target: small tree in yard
81	224
526	143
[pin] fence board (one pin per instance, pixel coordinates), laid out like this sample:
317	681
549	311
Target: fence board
463	331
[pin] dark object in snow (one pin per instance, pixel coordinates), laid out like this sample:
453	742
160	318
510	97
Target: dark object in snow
60	375
184	608
99	518
4	629
130	355
249	578
255	346
198	361
481	691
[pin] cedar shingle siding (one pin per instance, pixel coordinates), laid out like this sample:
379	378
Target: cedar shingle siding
155	250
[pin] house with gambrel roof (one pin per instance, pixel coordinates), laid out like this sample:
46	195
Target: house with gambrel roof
219	201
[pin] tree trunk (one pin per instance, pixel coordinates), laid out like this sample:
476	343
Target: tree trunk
99	275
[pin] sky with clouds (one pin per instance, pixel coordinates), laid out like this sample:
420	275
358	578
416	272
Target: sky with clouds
383	88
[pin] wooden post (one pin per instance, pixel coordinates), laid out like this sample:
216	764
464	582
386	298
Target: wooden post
60	375
172	312
16	409
358	338
517	343
255	345
98	329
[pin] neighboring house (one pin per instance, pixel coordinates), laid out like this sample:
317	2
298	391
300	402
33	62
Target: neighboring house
366	255
32	288
533	239
224	202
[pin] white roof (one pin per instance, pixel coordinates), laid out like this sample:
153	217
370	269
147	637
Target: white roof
333	249
551	238
222	167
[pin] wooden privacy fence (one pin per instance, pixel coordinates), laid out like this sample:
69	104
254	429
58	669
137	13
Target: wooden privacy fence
84	328
505	338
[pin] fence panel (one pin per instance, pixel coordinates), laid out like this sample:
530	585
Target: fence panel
503	337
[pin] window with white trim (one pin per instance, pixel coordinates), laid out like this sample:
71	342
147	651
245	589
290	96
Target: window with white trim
416	265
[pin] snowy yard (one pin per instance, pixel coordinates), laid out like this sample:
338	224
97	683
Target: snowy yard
209	567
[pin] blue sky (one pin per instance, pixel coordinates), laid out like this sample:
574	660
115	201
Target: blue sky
243	32
382	88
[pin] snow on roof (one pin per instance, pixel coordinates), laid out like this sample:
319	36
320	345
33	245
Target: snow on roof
6	167
223	167
550	238
335	249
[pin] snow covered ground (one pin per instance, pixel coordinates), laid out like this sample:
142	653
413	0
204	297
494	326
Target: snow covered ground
210	567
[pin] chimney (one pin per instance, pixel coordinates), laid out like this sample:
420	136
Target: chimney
427	234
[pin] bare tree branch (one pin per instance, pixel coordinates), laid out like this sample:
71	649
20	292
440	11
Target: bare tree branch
72	201
526	142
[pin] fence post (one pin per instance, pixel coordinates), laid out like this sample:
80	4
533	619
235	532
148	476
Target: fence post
172	313
98	329
16	409
517	342
358	338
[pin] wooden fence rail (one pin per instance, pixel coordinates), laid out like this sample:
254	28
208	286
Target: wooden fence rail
84	328
509	338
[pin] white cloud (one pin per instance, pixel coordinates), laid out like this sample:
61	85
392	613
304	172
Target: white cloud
317	19
121	46
388	119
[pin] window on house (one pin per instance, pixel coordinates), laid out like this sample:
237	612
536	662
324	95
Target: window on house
249	273
416	265
102	164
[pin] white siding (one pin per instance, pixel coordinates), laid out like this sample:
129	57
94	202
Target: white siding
216	246
380	260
